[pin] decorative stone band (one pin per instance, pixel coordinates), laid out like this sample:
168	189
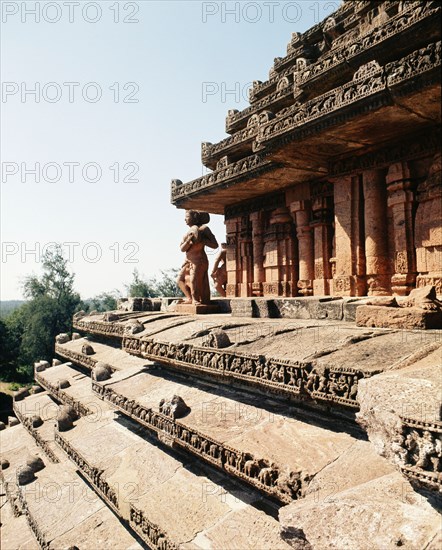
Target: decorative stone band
363	46
38	533
211	153
372	87
260	473
11	495
27	423
283	377
420	451
91	473
247	168
100	327
237	120
264	88
151	534
62	396
423	144
78	358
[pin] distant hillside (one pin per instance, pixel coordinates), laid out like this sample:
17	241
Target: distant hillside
7	306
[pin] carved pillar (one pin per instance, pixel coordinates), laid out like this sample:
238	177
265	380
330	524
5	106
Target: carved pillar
245	260
428	232
376	233
401	203
232	257
323	236
301	212
257	221
349	261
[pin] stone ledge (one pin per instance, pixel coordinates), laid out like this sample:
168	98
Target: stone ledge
398	317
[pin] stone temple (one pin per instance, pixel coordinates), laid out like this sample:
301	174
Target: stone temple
303	409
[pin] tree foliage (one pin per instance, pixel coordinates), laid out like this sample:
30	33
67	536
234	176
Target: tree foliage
31	329
154	287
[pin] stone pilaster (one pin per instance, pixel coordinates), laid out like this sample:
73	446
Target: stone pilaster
400	200
257	221
349	261
232	257
323	235
301	212
428	229
376	236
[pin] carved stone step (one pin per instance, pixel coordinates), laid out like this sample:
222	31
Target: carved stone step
59	507
248	438
166	502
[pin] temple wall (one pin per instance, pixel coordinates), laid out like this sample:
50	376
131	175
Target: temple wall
375	232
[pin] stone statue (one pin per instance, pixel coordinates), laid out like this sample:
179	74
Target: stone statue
219	271
193	279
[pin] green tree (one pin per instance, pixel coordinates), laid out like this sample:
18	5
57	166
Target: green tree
31	329
106	301
153	287
140	288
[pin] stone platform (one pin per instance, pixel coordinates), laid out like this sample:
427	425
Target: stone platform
286	421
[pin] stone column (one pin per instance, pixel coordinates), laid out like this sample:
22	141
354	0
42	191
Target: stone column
349	261
323	234
301	212
376	233
428	228
401	203
232	257
258	252
245	258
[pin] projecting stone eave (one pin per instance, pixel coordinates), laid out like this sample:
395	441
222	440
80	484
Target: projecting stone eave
294	150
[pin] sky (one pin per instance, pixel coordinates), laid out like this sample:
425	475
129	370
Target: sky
102	105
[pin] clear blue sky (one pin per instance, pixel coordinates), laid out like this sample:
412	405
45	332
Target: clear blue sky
174	53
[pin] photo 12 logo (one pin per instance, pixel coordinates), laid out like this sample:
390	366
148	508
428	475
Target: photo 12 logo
91	252
269	12
69	92
71	12
68	172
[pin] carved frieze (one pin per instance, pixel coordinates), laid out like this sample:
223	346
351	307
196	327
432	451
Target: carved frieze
283	377
208	449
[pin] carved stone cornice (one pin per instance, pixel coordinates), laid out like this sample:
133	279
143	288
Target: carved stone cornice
210	153
244	169
273	102
368	90
283	377
339	98
367	44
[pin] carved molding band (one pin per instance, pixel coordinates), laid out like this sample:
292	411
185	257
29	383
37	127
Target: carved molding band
91	473
62	396
260	473
420	451
27	423
78	358
363	87
153	535
284	377
38	533
247	168
100	327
